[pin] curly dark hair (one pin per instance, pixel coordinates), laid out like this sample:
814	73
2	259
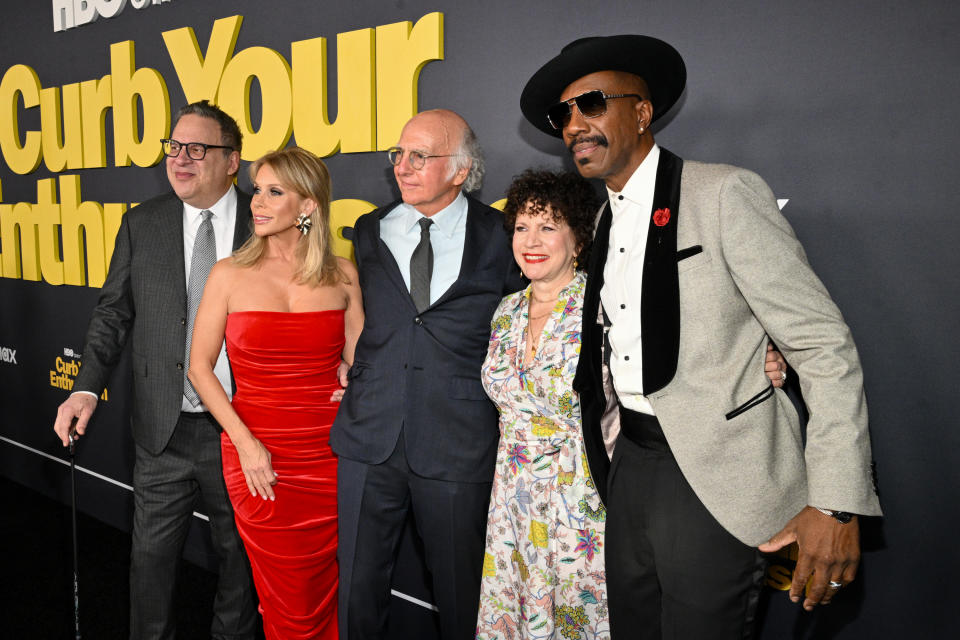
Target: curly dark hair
569	197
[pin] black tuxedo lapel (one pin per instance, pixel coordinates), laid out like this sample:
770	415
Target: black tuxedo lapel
588	381
589	372
660	297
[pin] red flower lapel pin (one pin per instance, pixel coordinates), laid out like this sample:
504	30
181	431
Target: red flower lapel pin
661	217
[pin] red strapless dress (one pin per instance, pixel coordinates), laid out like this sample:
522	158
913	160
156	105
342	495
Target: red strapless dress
285	367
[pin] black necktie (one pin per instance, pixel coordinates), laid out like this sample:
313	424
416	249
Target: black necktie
421	267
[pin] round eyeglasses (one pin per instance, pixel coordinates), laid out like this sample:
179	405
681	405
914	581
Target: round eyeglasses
416	158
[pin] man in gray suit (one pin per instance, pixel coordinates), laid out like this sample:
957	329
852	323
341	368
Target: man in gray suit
164	250
693	272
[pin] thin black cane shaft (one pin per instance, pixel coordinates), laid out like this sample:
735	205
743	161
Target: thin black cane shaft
76	553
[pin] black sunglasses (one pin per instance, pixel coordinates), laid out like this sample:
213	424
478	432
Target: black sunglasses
591	105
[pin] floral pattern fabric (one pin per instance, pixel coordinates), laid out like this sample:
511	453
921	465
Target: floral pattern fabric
543	572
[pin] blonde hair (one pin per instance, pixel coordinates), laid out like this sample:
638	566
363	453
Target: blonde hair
305	174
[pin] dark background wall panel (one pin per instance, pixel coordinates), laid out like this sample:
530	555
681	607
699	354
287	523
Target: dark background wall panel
846	109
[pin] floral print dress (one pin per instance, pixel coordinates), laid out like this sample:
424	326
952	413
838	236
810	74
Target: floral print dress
543	572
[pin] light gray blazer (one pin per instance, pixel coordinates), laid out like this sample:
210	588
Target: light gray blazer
723	277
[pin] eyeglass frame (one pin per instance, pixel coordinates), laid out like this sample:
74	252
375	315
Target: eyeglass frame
574	100
186	145
411	154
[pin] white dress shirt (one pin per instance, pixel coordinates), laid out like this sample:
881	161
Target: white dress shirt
623	279
400	231
224	221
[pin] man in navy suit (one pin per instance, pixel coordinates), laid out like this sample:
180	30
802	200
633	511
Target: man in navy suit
415	431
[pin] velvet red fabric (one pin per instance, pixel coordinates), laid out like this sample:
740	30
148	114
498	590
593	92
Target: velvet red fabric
285	368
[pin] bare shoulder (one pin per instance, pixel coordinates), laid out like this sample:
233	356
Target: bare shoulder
226	273
348	269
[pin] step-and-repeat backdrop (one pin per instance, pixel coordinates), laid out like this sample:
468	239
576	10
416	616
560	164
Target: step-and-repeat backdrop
847	109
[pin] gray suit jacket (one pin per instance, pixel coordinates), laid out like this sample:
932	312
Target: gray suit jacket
144	300
721	278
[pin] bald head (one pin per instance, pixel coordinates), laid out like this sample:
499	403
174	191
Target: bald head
448	126
453	160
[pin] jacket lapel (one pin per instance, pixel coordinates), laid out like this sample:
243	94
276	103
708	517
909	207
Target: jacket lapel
660	297
588	381
589	371
476	239
387	258
168	236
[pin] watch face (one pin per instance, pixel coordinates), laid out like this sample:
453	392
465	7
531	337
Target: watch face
843	516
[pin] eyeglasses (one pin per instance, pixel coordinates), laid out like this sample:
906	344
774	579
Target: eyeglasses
591	105
416	158
195	150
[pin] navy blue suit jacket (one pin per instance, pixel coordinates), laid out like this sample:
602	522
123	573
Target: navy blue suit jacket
420	372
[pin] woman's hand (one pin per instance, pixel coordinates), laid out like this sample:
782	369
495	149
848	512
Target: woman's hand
342	370
257	470
775	367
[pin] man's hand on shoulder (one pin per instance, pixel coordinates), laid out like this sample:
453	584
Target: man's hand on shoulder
829	554
78	406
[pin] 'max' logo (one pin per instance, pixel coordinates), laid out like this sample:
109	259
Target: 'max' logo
8	355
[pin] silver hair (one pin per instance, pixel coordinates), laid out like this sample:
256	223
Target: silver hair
470	154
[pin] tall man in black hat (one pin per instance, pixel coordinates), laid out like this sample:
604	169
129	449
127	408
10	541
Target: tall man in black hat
694	271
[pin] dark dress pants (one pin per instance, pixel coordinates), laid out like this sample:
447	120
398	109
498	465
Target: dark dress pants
166	490
451	520
673	572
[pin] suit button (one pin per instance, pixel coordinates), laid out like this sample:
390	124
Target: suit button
183	321
623	306
180	366
418	320
626	357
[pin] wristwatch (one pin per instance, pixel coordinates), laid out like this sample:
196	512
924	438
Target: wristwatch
843	517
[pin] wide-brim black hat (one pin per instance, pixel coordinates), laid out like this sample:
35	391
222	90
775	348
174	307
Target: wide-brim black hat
658	63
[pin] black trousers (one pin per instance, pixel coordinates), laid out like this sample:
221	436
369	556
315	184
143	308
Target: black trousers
451	520
673	572
166	491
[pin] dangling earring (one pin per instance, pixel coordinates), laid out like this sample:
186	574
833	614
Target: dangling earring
303	223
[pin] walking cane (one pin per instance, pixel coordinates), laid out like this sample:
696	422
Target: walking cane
76	555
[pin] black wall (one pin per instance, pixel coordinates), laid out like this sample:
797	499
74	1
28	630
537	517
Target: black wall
847	109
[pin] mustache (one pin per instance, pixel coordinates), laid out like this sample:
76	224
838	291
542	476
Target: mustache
598	139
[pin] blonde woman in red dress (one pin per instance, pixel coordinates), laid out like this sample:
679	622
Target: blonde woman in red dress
290	311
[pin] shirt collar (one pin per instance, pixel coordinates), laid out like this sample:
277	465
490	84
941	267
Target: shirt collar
640	186
220	209
446	221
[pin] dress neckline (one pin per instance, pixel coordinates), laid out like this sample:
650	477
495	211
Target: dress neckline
293	313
